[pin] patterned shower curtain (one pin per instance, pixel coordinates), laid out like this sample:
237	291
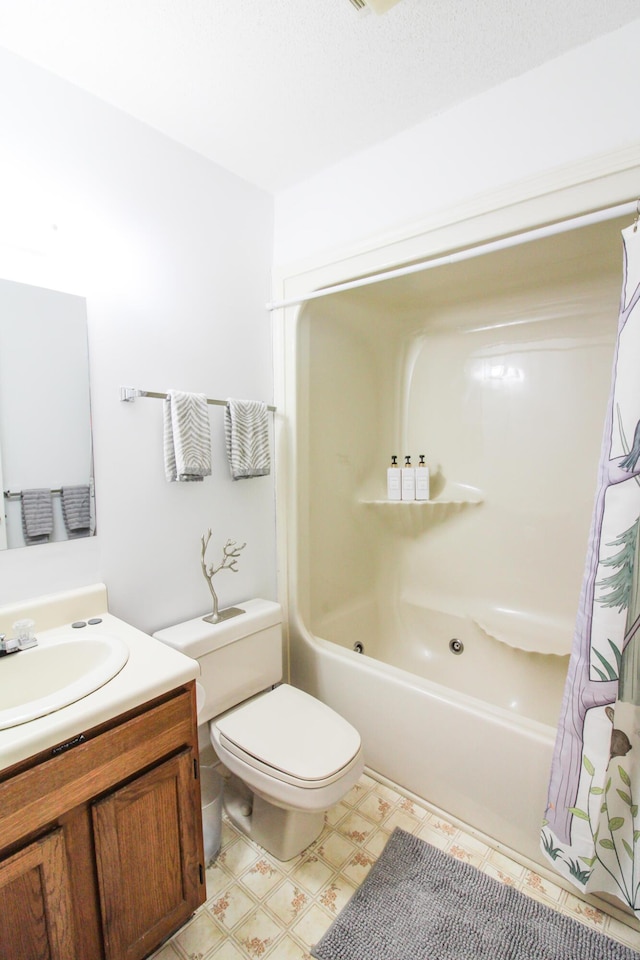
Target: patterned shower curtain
591	830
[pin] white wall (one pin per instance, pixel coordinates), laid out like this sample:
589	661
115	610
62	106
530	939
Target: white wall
578	106
173	255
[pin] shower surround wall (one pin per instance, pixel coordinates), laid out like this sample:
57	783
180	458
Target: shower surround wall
498	370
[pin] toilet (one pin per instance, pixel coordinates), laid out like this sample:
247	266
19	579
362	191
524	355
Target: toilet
291	757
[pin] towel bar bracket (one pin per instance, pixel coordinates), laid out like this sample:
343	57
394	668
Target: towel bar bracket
129	394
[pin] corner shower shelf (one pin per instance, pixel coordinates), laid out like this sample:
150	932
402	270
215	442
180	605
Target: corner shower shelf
411	515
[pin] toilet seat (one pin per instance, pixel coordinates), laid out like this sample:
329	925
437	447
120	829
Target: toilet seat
290	736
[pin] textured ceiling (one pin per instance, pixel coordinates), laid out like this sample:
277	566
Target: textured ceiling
276	90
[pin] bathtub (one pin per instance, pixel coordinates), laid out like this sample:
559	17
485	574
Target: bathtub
483	761
456	652
498	370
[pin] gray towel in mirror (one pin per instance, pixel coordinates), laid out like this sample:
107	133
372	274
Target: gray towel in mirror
37	515
76	510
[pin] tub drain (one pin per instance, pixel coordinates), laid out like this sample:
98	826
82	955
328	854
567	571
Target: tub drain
358	647
456	646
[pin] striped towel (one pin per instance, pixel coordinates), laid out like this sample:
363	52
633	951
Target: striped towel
246	428
187	436
76	510
37	515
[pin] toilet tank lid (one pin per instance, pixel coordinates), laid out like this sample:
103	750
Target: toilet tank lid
196	637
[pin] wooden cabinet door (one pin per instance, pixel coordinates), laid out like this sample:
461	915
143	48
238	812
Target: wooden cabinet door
149	873
36	919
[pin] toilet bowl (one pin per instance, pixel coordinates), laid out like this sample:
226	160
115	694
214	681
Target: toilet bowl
294	753
290	756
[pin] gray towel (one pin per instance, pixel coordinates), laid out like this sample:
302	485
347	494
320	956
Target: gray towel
37	515
246	427
187	436
76	510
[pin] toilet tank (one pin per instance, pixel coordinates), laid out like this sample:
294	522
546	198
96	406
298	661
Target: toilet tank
238	657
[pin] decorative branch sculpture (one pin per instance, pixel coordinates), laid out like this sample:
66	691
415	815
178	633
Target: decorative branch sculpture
230	553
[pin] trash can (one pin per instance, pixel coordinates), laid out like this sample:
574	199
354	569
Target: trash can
211	789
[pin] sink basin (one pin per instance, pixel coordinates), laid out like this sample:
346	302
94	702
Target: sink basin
57	672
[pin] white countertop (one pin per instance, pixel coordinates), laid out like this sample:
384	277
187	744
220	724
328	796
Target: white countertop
151	670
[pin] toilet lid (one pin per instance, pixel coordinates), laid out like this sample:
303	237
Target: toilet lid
293	732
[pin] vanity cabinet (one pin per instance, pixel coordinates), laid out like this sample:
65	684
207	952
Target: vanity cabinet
101	853
36	902
147	858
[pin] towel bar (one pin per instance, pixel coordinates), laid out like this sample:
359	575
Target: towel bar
129	394
16	494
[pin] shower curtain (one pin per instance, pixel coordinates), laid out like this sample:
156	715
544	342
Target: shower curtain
591	829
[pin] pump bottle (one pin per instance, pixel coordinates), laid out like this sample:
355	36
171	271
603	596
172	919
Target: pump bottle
408	480
422	480
394	491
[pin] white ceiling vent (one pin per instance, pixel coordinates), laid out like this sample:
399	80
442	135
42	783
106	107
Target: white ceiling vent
378	6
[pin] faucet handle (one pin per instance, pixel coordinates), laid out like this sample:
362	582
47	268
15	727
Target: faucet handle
24	634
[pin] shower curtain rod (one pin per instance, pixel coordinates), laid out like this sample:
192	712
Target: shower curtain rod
538	233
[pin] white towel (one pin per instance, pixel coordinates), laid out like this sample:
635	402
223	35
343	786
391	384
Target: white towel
76	510
37	515
187	436
246	427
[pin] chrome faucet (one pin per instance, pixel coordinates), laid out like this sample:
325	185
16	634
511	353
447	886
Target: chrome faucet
8	646
23	639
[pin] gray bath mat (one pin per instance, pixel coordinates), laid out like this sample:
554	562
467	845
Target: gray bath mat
418	903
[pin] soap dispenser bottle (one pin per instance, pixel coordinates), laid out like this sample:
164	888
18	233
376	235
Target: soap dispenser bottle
408	480
422	480
394	490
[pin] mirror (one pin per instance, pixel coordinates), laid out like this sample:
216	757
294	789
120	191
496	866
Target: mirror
45	417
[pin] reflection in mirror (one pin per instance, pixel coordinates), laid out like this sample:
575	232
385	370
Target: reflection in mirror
46	463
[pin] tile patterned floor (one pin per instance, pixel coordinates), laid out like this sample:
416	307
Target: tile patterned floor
258	907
